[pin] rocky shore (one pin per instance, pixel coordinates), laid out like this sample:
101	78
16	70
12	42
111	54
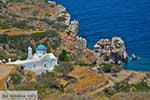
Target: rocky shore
111	51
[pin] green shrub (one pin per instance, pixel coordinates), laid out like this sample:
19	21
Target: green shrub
142	87
32	18
45	84
26	9
22	25
16	0
20	43
59	26
2	16
25	86
35	13
119	87
109	68
48	15
61	18
64	68
49	22
53	35
13	15
3	38
124	87
46	1
15	78
5	25
54	24
64	56
81	63
48	33
108	92
49	80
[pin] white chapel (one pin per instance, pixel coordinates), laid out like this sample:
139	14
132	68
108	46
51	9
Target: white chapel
38	62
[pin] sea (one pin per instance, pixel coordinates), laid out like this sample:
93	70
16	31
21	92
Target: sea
128	19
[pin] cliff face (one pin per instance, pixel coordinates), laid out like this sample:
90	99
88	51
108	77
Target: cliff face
111	51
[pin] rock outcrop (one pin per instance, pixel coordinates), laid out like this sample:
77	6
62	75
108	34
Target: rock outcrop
134	57
111	51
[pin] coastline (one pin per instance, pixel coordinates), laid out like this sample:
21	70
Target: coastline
131	45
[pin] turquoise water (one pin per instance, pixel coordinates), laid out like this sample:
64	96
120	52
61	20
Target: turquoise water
128	19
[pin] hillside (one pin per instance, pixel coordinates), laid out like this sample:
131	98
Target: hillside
88	80
29	23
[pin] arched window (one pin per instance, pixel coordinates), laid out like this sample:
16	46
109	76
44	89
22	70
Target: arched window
45	65
22	68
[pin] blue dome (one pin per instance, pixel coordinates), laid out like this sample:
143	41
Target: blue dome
41	47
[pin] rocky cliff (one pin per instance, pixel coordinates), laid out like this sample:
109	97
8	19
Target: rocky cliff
111	51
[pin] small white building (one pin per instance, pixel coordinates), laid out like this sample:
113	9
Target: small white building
39	62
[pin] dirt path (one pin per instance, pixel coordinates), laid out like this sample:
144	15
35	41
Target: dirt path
110	84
